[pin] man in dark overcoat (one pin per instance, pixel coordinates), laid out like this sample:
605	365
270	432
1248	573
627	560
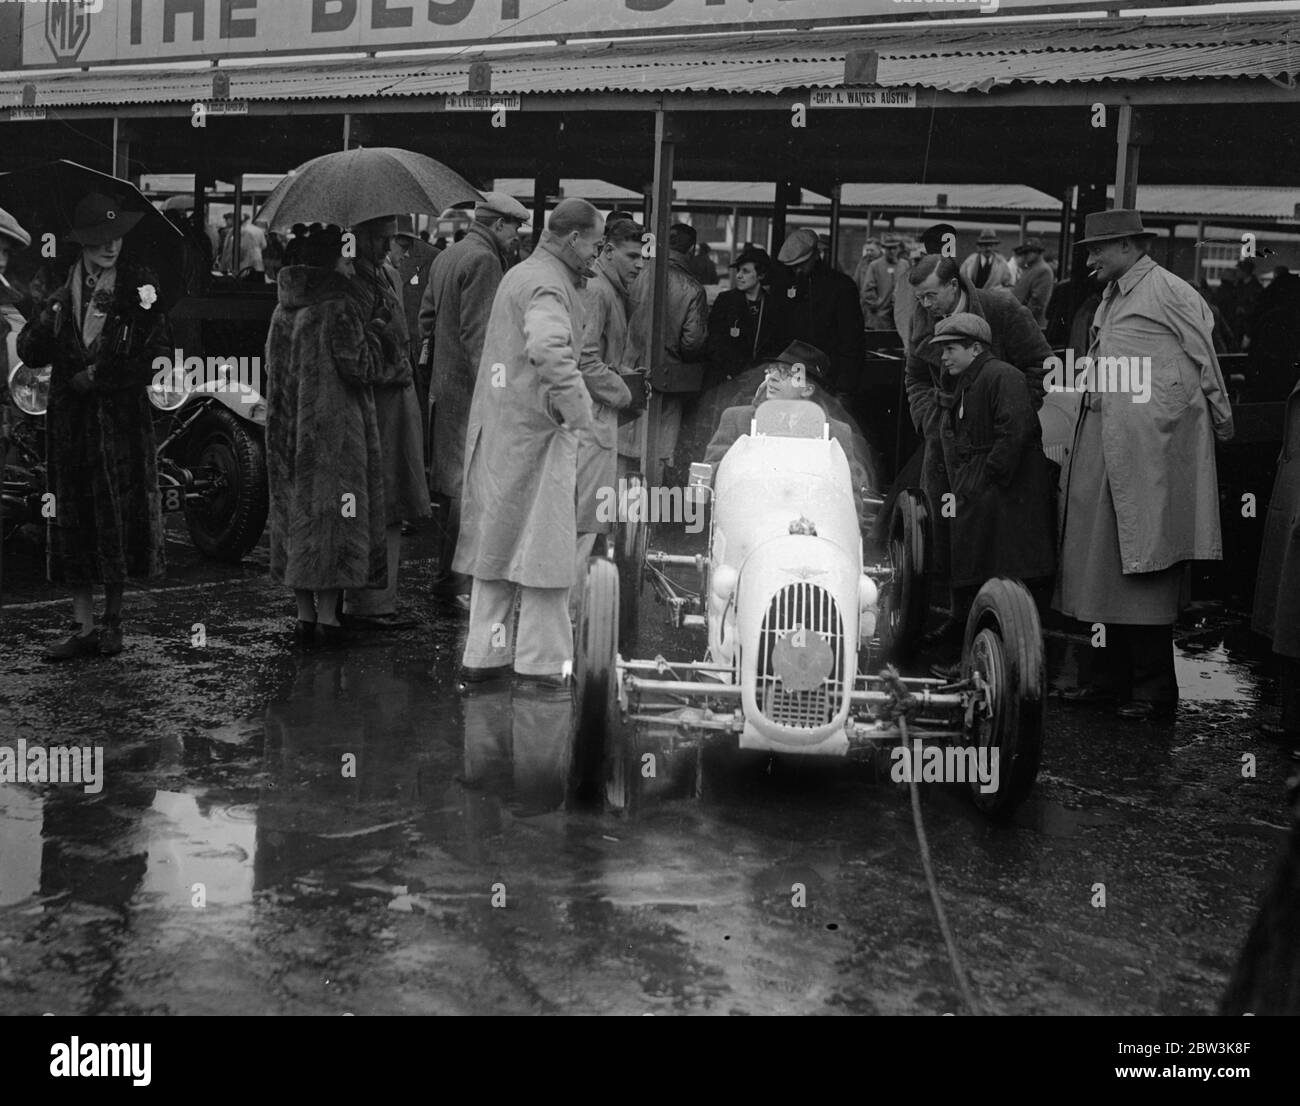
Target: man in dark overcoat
1016	338
992	447
453	320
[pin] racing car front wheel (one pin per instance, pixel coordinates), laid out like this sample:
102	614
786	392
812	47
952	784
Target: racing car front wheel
1004	649
601	756
907	593
229	457
631	533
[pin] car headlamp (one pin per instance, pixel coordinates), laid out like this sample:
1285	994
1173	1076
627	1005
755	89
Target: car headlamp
723	582
30	388
868	601
169	390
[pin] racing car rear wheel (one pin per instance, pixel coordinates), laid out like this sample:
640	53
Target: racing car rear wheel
1004	646
906	602
630	539
602	758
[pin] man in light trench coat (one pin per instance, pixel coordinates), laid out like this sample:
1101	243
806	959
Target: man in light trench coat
1141	492
518	515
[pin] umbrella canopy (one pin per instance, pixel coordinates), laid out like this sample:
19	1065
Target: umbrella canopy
351	186
44	197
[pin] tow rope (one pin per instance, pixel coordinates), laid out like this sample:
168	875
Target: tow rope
902	703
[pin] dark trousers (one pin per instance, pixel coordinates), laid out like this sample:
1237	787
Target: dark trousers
1288	677
1137	663
448	522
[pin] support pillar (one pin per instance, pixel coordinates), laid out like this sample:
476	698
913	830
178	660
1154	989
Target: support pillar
779	209
237	225
121	150
833	260
546	183
1131	134
662	220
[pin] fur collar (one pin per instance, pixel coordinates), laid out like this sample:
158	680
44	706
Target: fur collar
304	285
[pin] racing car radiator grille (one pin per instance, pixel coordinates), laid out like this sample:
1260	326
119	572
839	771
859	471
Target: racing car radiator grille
812	608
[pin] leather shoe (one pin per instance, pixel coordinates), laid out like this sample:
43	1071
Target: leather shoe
948	632
304	633
1088	693
1144	710
330	636
75	645
949	672
110	635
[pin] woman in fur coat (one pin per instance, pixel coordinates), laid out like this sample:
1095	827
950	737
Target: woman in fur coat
328	511
100	333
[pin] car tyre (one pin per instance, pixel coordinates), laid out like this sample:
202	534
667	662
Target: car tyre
906	602
1004	644
227	525
603	755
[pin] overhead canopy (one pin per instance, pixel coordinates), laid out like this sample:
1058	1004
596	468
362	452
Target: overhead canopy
990	103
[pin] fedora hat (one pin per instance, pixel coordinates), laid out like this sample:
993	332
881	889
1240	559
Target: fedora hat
98	219
405	227
987	238
10	229
1118	222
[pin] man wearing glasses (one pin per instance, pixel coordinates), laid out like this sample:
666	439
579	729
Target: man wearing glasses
1016	338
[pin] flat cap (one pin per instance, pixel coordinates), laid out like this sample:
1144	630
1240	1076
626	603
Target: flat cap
962	327
10	228
798	247
507	207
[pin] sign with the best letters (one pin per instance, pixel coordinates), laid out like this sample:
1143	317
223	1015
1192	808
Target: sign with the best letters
101	32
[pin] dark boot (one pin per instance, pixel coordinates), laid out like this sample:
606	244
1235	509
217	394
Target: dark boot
110	635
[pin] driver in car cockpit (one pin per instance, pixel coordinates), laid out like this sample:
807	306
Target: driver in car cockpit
797	373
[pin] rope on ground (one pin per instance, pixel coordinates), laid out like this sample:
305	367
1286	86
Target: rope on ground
902	703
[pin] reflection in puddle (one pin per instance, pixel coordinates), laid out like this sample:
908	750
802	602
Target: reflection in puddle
194	843
20	844
1207	670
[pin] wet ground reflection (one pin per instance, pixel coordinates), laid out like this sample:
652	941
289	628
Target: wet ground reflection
346	833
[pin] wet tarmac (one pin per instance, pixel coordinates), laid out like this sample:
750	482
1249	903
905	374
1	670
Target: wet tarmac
342	832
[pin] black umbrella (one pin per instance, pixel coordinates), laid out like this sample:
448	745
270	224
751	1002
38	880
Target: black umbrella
44	197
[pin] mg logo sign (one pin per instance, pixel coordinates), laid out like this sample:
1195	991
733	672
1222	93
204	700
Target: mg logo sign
67	26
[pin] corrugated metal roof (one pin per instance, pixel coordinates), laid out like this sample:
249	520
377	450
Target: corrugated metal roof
1000	197
955	59
1223	200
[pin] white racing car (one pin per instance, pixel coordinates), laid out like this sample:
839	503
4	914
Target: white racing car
788	608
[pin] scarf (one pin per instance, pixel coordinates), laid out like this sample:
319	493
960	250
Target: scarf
92	321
